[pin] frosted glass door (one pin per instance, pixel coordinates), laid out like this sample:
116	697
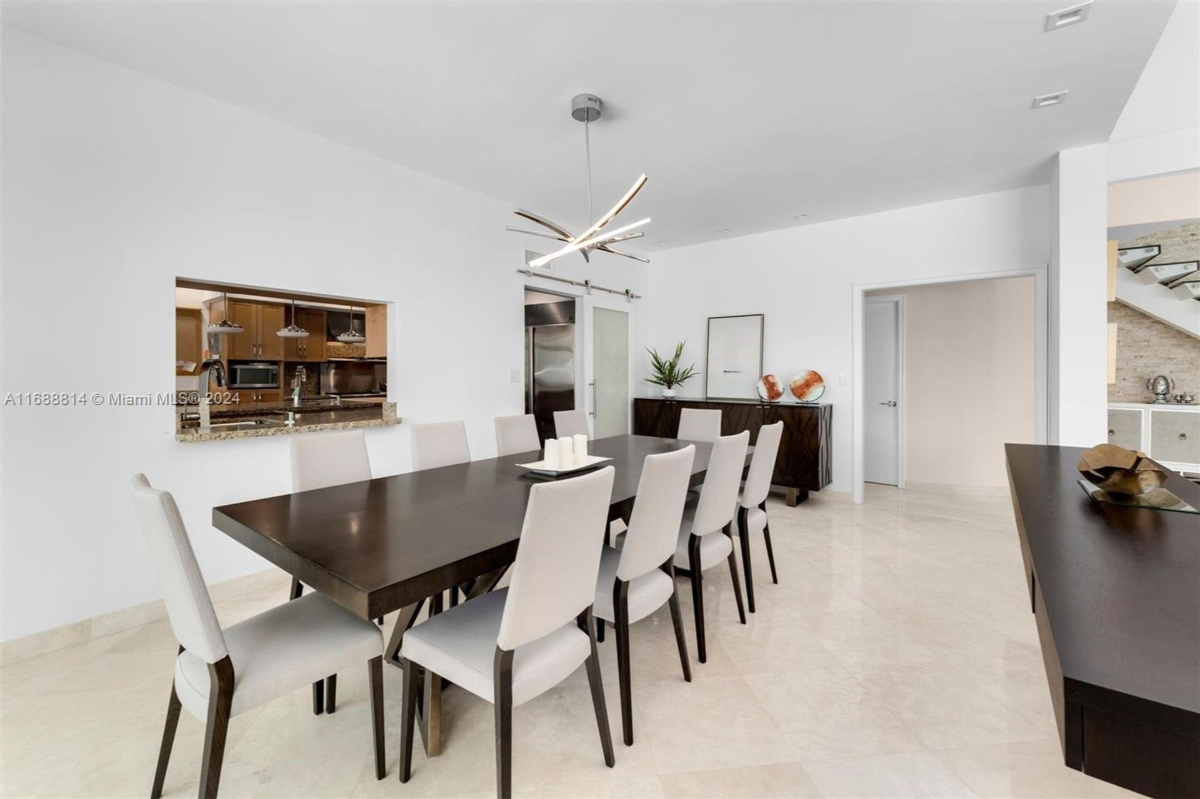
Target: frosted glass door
610	372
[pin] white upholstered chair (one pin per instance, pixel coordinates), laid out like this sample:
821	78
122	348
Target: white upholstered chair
699	425
516	434
752	506
221	673
439	444
321	461
571	423
639	578
706	535
574	423
514	644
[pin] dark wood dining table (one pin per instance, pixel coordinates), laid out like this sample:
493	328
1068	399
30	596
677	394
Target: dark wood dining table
396	543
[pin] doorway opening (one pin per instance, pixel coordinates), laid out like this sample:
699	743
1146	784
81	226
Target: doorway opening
950	372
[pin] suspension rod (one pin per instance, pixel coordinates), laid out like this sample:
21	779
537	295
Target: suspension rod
586	284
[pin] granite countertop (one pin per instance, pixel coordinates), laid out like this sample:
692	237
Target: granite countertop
314	414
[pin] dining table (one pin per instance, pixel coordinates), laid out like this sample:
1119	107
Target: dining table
404	542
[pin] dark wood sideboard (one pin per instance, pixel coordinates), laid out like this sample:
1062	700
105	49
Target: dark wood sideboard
1115	594
804	463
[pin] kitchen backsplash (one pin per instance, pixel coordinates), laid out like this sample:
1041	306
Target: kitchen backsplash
312	379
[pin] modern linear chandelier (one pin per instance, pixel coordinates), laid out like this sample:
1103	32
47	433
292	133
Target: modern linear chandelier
585	108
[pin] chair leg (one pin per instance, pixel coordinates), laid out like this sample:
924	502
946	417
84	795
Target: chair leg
744	539
318	692
296	590
408	717
600	630
375	681
697	595
677	621
502	682
331	693
733	573
597	686
168	740
621	627
770	549
220	701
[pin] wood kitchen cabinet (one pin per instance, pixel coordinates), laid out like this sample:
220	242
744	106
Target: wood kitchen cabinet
376	331
257	340
311	349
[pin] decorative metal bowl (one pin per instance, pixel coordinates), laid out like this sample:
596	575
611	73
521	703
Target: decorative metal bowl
1121	471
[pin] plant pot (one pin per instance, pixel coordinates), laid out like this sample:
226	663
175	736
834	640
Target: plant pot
668	393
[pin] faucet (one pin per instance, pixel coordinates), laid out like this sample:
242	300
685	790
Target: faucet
297	382
218	369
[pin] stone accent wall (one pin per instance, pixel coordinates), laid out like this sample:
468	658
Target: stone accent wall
1145	346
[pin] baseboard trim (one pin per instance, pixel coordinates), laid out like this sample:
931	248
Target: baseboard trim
82	632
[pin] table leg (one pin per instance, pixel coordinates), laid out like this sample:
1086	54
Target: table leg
796	496
408	615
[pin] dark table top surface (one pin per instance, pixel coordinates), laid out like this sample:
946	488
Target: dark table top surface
1121	586
356	540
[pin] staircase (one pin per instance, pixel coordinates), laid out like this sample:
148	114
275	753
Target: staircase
1181	278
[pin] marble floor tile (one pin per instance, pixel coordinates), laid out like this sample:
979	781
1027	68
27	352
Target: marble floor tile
914	774
779	781
1031	769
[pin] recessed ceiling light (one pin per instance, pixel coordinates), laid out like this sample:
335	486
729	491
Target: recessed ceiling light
724	230
800	216
1055	98
662	241
1068	16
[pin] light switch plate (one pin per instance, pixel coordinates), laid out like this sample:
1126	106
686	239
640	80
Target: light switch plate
841	380
514	375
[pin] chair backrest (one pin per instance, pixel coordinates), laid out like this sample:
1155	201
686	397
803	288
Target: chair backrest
698	425
516	434
570	423
558	558
719	496
657	511
189	607
762	465
329	460
439	444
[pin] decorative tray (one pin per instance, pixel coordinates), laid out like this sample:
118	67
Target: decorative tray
540	467
1156	499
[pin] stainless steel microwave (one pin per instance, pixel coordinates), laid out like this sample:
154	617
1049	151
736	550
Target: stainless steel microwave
254	375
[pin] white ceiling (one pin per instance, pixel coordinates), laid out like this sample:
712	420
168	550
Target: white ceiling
742	114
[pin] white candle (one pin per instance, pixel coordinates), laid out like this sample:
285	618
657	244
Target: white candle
566	455
551	457
579	449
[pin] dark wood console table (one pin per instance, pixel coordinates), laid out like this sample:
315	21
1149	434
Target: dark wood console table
1116	594
804	463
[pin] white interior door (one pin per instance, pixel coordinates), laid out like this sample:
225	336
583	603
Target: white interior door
881	390
608	376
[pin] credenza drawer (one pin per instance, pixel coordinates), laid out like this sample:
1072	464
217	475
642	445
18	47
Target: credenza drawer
1125	428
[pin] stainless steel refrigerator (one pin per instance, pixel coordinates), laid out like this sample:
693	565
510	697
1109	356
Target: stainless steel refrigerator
549	362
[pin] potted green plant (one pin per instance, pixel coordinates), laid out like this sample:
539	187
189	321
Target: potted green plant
667	372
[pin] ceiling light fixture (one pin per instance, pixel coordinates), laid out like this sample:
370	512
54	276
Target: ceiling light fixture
293	330
1068	16
585	108
224	327
1047	100
800	216
724	230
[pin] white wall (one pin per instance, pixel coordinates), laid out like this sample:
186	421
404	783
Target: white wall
802	279
969	378
116	183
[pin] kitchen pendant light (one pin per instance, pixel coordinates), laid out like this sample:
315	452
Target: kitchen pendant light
585	108
351	336
224	327
292	330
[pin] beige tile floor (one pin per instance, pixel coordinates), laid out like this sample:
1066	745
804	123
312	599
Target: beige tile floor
897	657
